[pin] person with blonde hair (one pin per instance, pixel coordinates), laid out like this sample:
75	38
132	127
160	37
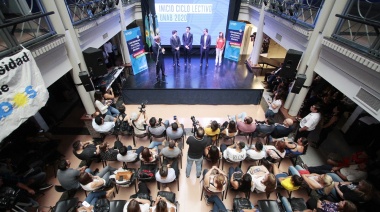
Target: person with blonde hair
215	180
263	180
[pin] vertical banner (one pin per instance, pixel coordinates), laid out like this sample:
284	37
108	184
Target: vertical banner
234	39
136	50
22	91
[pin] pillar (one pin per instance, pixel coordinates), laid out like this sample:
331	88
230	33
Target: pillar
124	47
255	54
310	56
62	24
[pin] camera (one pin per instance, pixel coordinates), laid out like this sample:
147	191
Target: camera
159	121
195	122
142	106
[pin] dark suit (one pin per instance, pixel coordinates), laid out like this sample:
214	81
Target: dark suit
159	58
175	42
187	41
205	51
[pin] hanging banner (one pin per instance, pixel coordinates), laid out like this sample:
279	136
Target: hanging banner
22	91
234	39
136	50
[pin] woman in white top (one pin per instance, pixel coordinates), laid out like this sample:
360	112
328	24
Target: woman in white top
263	180
163	205
104	106
274	106
92	183
137	204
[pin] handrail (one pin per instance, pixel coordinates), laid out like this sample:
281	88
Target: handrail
25	19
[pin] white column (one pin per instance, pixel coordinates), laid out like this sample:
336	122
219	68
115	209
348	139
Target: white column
124	47
311	54
62	24
254	57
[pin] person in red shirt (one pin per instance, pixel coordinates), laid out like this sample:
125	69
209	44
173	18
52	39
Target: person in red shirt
220	43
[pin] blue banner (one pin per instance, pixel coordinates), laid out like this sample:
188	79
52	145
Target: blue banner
136	50
234	38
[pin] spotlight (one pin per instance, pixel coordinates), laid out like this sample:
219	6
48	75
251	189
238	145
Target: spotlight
290	12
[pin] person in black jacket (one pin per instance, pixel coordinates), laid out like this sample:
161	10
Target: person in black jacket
158	53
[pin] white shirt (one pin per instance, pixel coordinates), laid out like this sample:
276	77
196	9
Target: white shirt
232	155
108	47
143	207
205	40
353	174
311	121
272	153
278	103
170	178
253	154
102	108
129	157
259	186
105	127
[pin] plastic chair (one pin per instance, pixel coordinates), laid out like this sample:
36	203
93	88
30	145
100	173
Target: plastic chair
247	136
268	206
65	205
225	137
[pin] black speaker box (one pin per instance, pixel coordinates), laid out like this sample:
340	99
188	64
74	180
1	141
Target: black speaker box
289	66
298	83
95	62
86	81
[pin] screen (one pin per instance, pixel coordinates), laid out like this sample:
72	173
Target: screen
197	14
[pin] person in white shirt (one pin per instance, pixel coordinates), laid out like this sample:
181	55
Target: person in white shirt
256	152
234	153
139	122
263	180
165	174
126	154
309	122
274	106
101	125
136	203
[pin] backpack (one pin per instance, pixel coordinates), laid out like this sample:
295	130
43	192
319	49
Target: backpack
102	205
147	172
121	125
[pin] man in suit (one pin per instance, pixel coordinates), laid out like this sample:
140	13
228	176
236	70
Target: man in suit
158	53
187	40
205	45
175	42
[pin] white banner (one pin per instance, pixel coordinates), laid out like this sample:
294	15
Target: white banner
22	91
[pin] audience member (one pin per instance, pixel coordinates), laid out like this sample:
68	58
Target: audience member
265	128
244	123
262	179
167	174
163	205
274	106
157	128
92	183
214	180
327	206
104	106
212	130
329	123
357	193
256	152
309	122
197	145
139	122
171	151
290	183
229	128
234	153
126	154
296	148
103	125
175	131
212	153
148	155
218	205
137	203
85	150
352	173
68	177
282	130
240	181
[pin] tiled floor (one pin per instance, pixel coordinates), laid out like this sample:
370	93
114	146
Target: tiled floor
190	190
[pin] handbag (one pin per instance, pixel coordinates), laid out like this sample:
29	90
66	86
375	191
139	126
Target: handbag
170	196
241	203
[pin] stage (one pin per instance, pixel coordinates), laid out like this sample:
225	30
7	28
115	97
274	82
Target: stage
231	83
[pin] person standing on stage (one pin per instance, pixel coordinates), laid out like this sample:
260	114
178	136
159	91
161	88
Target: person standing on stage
187	40
158	53
111	56
205	45
220	43
175	42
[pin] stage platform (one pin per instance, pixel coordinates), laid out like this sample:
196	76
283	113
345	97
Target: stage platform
231	83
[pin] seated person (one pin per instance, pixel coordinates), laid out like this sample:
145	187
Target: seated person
274	106
175	131
68	177
290	183
240	181
296	148
85	150
92	183
257	152
89	203
136	203
355	192
262	179
215	180
11	190
126	154
276	151
212	130
234	153
139	122
282	130
106	153
327	206
229	128
265	128
212	153
171	151
162	204
352	173
103	125
148	155
355	159
218	205
167	174
157	128
244	123
321	182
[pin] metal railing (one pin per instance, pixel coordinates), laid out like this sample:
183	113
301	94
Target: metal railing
359	26
303	12
84	10
23	23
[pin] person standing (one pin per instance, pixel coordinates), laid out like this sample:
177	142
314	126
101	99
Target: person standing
197	145
158	53
220	43
111	55
205	45
187	40
175	42
309	122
